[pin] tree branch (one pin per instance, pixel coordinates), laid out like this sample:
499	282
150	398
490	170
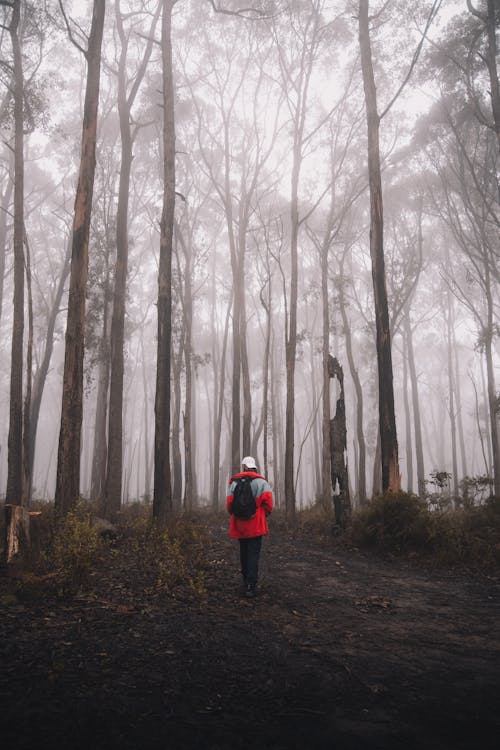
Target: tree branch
250	14
70	33
435	7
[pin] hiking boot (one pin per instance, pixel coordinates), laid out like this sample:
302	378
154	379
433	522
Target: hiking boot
250	590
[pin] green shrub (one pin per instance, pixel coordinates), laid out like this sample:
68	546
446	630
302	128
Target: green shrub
394	522
470	536
170	556
402	523
75	548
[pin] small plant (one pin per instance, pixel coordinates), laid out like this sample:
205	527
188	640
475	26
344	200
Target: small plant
76	545
170	557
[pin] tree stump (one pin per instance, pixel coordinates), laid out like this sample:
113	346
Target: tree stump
17	531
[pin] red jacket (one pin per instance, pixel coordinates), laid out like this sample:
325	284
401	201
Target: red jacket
256	526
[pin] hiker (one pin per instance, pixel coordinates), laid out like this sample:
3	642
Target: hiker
249	501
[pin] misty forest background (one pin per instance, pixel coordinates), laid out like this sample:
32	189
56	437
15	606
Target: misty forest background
228	248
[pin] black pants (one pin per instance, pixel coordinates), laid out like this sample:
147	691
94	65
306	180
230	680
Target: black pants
249	557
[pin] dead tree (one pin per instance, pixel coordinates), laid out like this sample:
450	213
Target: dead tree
338	450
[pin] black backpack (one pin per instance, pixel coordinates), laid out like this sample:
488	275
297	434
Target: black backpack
244	505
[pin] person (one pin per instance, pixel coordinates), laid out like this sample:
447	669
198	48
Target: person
249	532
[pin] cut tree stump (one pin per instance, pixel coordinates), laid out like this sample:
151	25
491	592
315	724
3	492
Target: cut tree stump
17	531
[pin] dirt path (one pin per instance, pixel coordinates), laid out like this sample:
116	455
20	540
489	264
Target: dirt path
340	650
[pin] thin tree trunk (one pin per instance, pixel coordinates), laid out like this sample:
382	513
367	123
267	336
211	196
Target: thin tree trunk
463	453
359	396
27	475
266	304
15	438
220	409
177	357
99	454
43	369
68	459
4	211
147	459
451	397
419	449
491	386
114	470
391	480
326	479
407	413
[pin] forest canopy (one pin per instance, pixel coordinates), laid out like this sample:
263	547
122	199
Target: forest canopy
203	204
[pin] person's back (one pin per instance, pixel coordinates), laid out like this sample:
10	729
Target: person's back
249	530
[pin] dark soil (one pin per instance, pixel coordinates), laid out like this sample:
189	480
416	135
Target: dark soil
340	650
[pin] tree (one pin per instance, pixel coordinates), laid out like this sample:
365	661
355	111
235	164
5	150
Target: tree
490	21
68	457
15	494
296	59
127	93
162	493
391	479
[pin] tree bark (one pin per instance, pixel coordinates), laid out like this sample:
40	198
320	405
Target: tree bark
338	443
68	459
219	412
391	480
417	421
15	437
4	210
99	453
162	497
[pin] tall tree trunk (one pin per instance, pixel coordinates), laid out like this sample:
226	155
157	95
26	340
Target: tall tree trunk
407	413
359	395
326	480
114	470
451	395
493	406
15	438
27	474
99	453
162	499
391	480
460	422
266	304
43	369
417	422
188	364
145	390
278	446
4	211
177	358
291	341
68	458
245	368
220	409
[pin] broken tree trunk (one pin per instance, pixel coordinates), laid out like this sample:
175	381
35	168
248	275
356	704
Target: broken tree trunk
338	450
17	531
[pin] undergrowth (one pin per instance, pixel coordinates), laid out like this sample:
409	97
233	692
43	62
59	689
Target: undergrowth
83	554
401	523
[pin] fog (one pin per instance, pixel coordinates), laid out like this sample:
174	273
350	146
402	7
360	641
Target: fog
262	102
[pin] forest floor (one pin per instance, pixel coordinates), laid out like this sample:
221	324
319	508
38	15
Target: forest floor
341	649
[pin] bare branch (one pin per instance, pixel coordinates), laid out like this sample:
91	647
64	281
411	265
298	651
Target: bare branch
435	7
70	33
250	14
